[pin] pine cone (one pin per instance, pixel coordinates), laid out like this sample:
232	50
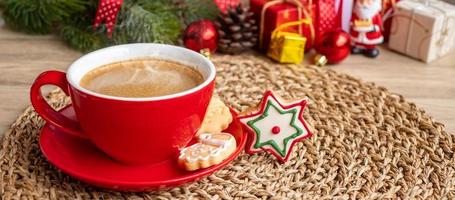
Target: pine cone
237	30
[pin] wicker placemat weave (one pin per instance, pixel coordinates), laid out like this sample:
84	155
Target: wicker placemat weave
368	143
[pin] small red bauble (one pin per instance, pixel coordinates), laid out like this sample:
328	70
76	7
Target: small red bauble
200	35
334	45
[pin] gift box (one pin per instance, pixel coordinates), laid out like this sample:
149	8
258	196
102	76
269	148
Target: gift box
271	14
328	16
421	30
386	15
287	47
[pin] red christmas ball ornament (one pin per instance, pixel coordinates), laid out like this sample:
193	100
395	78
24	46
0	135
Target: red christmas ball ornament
334	45
201	35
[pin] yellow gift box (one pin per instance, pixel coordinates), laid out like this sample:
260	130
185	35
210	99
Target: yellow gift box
286	47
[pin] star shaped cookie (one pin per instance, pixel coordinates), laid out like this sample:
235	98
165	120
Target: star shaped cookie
275	126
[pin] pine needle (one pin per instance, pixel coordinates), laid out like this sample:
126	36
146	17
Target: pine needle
158	21
81	39
193	10
39	16
141	25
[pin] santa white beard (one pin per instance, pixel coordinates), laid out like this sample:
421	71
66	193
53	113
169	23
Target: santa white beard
367	11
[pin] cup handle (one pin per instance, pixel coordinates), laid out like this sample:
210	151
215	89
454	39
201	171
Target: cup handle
45	110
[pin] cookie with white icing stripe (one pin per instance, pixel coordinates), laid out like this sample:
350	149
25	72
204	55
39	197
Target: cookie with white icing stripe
211	150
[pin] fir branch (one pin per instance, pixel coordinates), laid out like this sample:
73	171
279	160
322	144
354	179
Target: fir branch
78	31
193	10
119	37
84	18
160	21
82	39
142	25
39	16
157	5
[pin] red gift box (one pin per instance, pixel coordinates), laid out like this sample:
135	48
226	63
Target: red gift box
386	14
276	12
328	16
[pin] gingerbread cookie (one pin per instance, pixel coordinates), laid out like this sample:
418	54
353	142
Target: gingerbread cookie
275	125
211	150
217	118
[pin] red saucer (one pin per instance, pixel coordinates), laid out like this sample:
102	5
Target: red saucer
82	160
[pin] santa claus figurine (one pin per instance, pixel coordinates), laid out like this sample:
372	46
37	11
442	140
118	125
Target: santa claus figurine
366	25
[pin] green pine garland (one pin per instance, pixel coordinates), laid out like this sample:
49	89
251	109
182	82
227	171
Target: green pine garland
78	31
159	21
192	10
82	40
141	25
39	16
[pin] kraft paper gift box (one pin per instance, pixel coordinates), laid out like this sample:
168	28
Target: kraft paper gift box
424	30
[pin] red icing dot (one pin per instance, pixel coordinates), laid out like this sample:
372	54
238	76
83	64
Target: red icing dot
276	130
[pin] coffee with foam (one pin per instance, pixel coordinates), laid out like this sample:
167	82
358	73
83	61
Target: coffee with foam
148	77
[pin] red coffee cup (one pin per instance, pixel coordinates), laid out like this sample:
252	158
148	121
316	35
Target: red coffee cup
130	130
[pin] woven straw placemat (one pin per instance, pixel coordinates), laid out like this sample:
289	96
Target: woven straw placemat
368	143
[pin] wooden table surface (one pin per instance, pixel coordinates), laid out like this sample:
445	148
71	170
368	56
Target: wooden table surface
430	86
